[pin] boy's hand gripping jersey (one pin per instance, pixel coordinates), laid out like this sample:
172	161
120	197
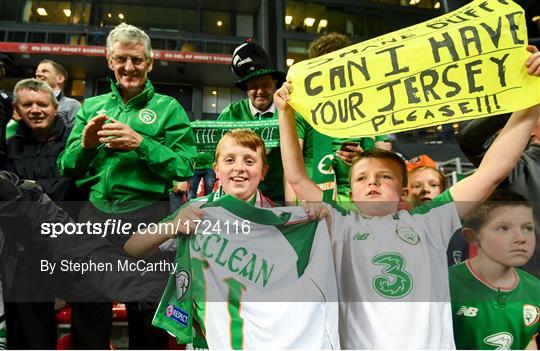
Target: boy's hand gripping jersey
253	278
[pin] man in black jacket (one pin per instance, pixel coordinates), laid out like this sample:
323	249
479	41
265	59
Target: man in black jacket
32	152
23	210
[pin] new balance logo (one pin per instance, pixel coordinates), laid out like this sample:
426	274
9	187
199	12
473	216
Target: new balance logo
467	311
360	236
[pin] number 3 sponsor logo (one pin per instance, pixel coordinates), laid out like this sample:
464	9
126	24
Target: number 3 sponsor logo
503	341
394	282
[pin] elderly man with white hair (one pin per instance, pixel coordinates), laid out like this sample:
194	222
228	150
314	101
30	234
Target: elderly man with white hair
127	147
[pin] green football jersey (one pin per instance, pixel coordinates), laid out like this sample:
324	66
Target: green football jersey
486	317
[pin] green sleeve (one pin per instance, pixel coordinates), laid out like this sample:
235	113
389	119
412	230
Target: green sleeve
11	128
175	310
226	114
236	111
74	160
301	127
367	143
174	158
204	160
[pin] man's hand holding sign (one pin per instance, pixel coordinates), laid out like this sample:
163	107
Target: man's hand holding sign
459	66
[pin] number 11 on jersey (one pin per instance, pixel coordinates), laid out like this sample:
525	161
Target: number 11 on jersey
234	304
235	290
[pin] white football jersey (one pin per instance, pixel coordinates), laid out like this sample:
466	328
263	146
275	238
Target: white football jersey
393	277
270	284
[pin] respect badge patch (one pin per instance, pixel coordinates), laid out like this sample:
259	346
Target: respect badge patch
178	315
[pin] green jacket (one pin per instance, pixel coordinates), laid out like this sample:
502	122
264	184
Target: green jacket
272	185
204	160
122	181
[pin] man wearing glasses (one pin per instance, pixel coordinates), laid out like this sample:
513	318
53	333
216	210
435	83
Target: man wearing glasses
127	147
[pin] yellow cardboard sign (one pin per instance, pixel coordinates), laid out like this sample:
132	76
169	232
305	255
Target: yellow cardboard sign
467	64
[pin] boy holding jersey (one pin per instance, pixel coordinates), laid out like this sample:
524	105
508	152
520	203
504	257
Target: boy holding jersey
247	275
391	264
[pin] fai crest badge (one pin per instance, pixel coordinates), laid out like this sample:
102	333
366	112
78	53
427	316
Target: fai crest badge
530	315
408	235
457	256
182	283
147	116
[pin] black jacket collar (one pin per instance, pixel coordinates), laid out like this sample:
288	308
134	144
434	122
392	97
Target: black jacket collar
57	130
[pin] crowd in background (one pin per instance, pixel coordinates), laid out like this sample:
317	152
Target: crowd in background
130	155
